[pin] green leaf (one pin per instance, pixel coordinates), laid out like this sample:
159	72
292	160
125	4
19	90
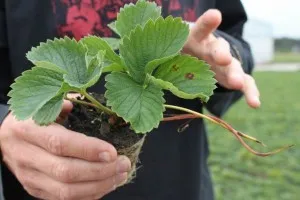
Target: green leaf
50	111
66	56
113	68
95	66
33	90
136	14
141	106
186	77
147	48
112	26
95	44
113	42
50	66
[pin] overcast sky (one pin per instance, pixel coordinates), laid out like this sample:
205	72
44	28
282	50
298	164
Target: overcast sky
284	15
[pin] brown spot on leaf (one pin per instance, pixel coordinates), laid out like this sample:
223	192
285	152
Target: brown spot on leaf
175	68
189	76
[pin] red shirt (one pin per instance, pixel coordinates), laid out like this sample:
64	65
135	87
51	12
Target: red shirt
78	18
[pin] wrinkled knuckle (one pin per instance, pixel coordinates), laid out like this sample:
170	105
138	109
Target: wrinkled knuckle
63	173
85	152
21	159
54	144
65	193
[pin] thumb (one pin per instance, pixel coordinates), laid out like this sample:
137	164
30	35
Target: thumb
65	111
206	24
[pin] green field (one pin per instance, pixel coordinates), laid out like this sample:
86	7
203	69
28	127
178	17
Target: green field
286	57
237	174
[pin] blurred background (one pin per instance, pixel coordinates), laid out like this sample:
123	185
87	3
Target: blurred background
273	31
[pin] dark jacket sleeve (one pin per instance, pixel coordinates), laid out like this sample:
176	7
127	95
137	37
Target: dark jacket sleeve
5	80
231	29
5	75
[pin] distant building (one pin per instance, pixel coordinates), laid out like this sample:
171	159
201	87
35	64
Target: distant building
259	34
296	49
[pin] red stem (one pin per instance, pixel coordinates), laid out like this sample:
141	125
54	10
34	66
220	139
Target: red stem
236	133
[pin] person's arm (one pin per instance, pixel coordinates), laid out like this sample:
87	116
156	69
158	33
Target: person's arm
4	79
5	75
231	29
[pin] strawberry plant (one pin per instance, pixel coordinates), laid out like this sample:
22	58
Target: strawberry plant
149	62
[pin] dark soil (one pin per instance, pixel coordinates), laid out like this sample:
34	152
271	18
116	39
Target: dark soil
87	120
114	130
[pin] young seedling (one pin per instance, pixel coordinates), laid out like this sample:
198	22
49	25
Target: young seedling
149	62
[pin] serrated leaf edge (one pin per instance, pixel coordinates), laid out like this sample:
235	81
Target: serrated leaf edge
166	85
129	6
10	93
45	123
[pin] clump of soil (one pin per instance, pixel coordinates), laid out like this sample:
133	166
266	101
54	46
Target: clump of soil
114	130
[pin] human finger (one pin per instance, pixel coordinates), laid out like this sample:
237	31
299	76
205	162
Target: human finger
251	92
231	76
46	186
206	24
62	142
68	170
38	193
66	109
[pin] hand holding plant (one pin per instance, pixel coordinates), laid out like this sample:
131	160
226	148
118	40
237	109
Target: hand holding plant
52	162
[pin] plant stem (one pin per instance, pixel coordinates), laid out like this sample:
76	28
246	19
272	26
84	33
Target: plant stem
81	102
237	134
211	118
97	103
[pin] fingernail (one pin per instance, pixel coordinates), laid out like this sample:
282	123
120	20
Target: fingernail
123	164
257	99
256	102
121	178
105	157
